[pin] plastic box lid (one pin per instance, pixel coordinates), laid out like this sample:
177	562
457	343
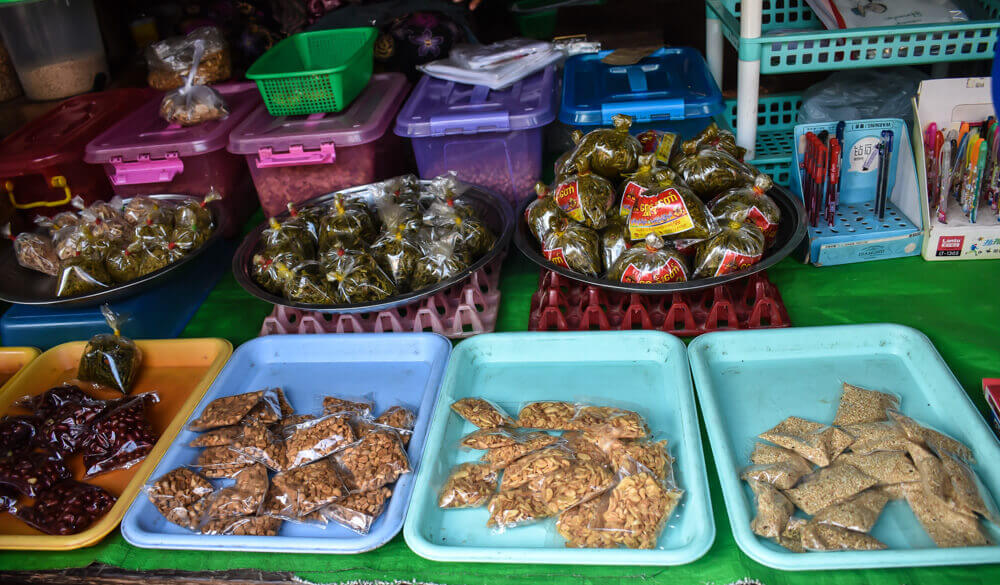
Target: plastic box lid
438	107
364	121
145	134
670	84
59	136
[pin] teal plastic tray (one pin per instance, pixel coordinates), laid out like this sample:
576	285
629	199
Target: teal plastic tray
749	381
646	371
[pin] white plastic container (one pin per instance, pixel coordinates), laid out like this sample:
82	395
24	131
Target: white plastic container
55	46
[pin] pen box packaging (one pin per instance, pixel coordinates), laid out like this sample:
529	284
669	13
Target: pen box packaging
948	103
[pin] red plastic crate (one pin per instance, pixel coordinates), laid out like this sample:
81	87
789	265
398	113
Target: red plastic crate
463	310
561	304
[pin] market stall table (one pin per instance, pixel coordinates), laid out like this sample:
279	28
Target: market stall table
947	301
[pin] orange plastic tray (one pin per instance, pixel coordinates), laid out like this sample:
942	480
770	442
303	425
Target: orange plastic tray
179	370
12	359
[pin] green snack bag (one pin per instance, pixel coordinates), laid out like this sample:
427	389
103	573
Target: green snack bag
542	212
714	137
345	222
110	359
609	152
586	197
709	171
652	262
125	263
355	277
191	212
736	247
83	273
573	246
750	205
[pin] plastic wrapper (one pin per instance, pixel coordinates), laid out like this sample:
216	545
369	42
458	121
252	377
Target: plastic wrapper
512	508
542	212
483	413
547	414
67	508
82	274
357	512
764	454
816	442
272	407
403	190
111	360
242	526
171	59
315	439
569	485
663	146
376	460
647	177
709	172
306	283
859	513
876	436
226	411
714	137
257	442
34	252
965	492
573	246
264	271
585	197
489	438
444	191
361	406
651	263
53	224
827	537
113	227
469	485
158	255
347	224
397	254
783	475
946	526
578	526
535	465
291	239
609	152
405	216
191	105
828	486
68	426
736	247
217	437
141	209
244	498
933	477
888	467
33	473
473	235
17	434
221	462
566	163
307	218
629	457
150	233
189	238
121	437
303	490
501	457
935	440
442	260
672	212
609	422
637	509
614	241
750	204
858	405
355	277
773	510
791	536
399	418
45	404
588	447
125	263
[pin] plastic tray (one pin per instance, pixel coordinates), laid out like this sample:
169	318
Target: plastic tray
463	310
407	369
12	359
179	370
750	381
514	368
561	304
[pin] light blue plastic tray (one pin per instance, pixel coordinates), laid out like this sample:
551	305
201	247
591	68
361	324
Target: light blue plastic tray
749	381
395	368
646	371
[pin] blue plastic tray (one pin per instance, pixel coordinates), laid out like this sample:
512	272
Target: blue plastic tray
646	371
749	381
395	368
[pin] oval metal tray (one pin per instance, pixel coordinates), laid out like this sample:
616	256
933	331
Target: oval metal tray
24	286
494	211
791	230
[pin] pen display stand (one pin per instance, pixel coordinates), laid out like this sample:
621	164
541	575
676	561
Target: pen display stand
857	234
948	103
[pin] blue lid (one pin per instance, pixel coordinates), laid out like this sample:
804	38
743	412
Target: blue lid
438	107
670	84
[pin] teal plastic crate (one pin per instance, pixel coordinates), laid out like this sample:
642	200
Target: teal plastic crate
818	49
775	123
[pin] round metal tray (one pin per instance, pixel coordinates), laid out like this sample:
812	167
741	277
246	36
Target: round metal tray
24	286
791	230
494	211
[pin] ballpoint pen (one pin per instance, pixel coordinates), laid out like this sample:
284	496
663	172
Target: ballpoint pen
820	175
839	133
945	172
982	155
884	165
930	163
959	167
969	177
833	182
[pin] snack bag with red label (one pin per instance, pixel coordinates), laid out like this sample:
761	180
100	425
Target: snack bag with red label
572	246
647	177
736	247
614	241
541	212
751	205
671	212
566	164
663	145
609	152
709	171
714	137
586	197
651	263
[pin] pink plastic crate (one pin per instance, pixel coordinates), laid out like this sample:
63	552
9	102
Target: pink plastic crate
466	309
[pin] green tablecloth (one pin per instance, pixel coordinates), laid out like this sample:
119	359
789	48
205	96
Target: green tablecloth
952	302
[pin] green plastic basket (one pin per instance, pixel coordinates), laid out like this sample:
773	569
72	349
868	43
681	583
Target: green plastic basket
776	119
315	72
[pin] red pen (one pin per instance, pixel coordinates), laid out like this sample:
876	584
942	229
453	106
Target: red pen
807	175
834	178
821	160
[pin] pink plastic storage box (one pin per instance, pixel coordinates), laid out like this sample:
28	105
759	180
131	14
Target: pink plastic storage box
295	158
143	155
490	138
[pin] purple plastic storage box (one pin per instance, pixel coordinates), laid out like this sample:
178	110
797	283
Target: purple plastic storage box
143	155
490	138
295	158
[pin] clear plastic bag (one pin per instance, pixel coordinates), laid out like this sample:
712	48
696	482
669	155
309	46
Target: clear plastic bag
306	283
256	441
935	440
651	263
647	177
663	146
542	212
33	473
378	459
535	465
469	485
347	223
609	152
637	509
588	447
750	205
315	439
141	209
474	236
859	513
714	137
171	60
827	537
357	512
816	442
111	360
876	436
573	246
244	498
441	260
858	405
82	274
121	437
243	526
33	251
190	105
270	409
397	253
68	426
67	508
773	510
736	247
783	475
708	172
489	438
222	462
609	422
585	197
301	491
194	213
355	277
17	433
614	241
579	526
569	485
483	413
399	418
289	239
888	467
361	406
217	437
860	94
125	263
501	457
226	411
828	486
672	212
628	457
512	508
946	526
547	414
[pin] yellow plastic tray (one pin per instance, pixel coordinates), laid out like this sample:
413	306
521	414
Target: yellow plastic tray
179	370
12	359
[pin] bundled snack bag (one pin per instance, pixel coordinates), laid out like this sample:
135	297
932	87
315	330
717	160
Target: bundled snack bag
110	359
650	263
750	204
573	246
736	247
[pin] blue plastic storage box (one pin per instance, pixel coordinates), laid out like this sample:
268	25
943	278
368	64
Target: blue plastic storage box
491	138
671	90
